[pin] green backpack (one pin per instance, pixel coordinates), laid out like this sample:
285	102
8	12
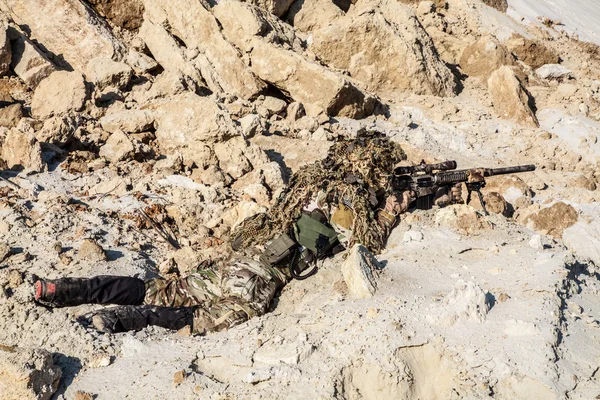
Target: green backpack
314	234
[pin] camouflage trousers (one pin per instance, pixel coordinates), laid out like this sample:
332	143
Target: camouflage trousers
224	295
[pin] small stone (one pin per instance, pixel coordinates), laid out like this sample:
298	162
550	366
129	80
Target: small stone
90	250
58	247
65	258
536	242
523	202
553	71
210	176
15	279
100	360
494	203
278	352
295	111
118	147
5	251
372	312
104	72
167	267
179	377
21	257
259	193
581	181
11	115
250	125
274	105
307	123
81	395
503	297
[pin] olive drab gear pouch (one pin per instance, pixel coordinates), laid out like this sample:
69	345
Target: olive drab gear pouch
314	234
278	250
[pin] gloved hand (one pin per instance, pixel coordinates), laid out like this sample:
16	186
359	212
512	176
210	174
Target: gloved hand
446	196
397	203
456	194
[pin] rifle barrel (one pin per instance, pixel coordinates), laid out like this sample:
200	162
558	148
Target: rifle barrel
509	170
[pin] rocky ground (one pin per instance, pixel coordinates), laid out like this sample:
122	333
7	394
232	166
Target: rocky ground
136	134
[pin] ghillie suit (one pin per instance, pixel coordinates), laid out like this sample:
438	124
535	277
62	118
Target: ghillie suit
355	172
224	293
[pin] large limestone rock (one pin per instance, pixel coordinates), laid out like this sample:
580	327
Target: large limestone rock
187	122
11	115
510	98
219	63
485	56
21	150
140	62
118	147
167	53
295	74
58	94
531	52
309	82
104	72
67	28
27	374
242	23
59	130
28	62
127	14
552	220
128	121
438	3
232	159
308	15
5	49
358	272
500	5
277	7
386	49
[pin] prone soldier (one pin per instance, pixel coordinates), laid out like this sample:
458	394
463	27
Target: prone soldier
327	206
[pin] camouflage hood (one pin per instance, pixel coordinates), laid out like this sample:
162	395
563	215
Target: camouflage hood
355	170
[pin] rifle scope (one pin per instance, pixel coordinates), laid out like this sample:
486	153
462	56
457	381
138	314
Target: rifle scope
427	168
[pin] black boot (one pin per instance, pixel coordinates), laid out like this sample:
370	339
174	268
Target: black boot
63	292
134	318
68	292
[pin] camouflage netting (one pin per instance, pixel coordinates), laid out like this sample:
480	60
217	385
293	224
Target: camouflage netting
355	171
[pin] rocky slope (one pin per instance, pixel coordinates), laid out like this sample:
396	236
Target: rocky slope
135	135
